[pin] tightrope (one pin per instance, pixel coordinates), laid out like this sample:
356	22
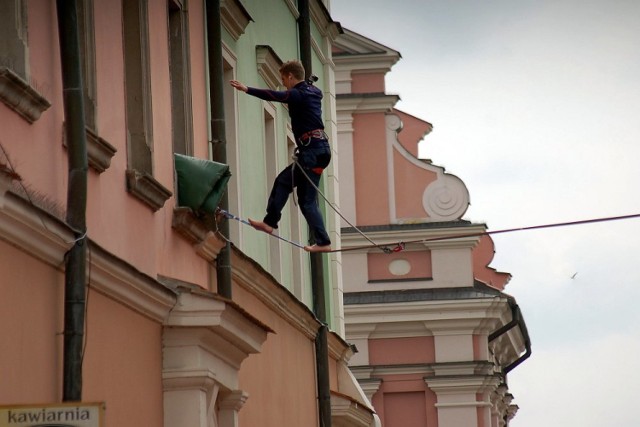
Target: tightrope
506	230
398	247
229	215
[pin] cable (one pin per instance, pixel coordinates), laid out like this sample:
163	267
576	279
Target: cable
400	246
244	221
384	248
86	307
507	230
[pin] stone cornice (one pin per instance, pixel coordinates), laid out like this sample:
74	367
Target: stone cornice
427	237
447	317
352	44
346	411
321	17
370	63
206	243
463	384
268	66
146	188
365	103
99	151
235	17
122	282
201	309
20	96
182	379
33	230
48	239
338	348
429	371
372	373
253	278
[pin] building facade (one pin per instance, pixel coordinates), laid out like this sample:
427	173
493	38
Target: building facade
435	333
160	345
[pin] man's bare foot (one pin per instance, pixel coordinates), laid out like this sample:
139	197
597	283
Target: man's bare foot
261	226
316	248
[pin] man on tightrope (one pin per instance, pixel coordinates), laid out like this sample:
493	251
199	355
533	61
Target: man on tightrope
313	153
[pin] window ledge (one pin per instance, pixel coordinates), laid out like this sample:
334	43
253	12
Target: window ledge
20	96
99	151
206	243
147	189
235	17
268	66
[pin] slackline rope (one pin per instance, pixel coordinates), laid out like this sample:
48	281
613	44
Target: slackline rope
507	230
244	221
400	246
384	248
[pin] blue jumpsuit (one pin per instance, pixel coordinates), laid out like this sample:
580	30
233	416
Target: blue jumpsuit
314	154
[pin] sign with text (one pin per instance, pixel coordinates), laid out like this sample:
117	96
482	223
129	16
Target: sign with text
76	414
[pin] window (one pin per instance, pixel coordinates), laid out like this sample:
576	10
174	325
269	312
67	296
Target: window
16	90
298	260
99	151
140	181
137	85
88	60
13	37
271	167
180	72
230	110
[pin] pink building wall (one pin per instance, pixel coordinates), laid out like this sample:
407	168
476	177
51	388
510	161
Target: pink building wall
367	83
413	130
370	170
32	320
422	316
385	351
418	264
286	363
160	342
122	364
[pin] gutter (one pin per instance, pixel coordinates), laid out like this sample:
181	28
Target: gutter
516	320
316	259
75	259
218	131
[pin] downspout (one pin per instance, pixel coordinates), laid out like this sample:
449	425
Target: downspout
516	320
218	131
317	267
75	262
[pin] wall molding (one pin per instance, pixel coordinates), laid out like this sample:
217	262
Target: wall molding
18	95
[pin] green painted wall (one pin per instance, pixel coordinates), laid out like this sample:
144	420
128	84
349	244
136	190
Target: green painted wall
274	25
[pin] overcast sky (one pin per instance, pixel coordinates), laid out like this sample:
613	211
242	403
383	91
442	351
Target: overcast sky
536	107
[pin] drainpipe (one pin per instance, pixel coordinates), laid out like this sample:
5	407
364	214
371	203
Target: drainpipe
317	267
218	131
516	320
75	262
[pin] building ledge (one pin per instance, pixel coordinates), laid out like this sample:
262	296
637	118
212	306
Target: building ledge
147	189
268	66
99	151
206	243
235	17
347	412
18	95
